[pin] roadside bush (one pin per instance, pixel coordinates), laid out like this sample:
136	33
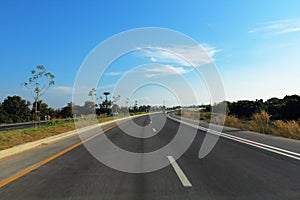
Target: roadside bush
178	113
190	114
290	129
260	123
232	121
261	119
55	121
218	119
205	116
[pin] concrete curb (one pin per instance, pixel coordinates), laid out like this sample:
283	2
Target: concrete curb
30	145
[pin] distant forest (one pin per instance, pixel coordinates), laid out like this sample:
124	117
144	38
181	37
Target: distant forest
287	108
15	109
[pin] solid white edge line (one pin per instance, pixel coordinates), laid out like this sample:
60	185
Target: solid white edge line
184	180
277	150
262	147
265	145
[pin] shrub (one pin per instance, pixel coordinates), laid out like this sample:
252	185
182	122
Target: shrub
218	119
290	129
190	114
233	121
205	116
261	119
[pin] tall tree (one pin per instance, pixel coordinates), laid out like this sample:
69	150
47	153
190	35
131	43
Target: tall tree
135	107
14	109
88	108
106	102
115	106
39	81
92	93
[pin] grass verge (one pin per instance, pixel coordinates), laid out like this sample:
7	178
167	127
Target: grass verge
260	122
12	138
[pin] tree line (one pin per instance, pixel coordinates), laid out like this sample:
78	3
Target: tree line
287	108
14	109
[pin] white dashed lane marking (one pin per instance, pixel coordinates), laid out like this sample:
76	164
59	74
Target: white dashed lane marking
184	180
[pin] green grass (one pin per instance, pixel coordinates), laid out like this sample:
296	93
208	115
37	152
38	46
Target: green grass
12	138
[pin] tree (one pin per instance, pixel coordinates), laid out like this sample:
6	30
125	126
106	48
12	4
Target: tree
92	93
275	106
88	108
99	99
39	81
115	106
43	110
14	109
291	109
106	94
245	108
66	112
106	103
135	107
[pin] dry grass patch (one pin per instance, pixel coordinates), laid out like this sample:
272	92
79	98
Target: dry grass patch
260	122
290	129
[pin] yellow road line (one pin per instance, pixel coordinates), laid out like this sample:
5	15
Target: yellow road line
33	167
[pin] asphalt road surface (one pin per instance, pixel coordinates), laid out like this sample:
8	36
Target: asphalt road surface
232	170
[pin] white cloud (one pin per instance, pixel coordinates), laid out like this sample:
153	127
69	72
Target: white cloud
144	99
278	27
289	30
61	90
181	55
164	70
113	73
102	87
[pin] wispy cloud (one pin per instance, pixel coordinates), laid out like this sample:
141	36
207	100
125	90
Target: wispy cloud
113	73
181	55
61	90
164	70
67	90
102	87
278	27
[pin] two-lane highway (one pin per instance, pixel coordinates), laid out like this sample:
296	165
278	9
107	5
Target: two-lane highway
232	170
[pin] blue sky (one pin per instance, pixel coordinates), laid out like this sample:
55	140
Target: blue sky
254	44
